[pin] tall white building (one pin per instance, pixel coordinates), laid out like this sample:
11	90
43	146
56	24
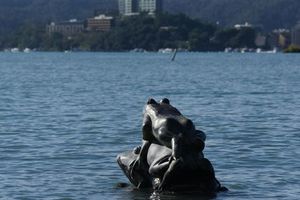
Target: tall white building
296	35
150	6
128	7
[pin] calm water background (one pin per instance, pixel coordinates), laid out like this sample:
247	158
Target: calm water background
65	117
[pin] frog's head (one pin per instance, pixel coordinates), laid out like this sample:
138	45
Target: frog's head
174	122
153	102
163	107
164	110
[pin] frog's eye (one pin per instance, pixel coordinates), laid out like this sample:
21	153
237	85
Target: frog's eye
165	100
151	101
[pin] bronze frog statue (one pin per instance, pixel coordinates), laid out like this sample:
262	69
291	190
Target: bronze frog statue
170	157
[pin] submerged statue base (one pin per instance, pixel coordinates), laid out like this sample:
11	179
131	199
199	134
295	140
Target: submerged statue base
200	179
170	157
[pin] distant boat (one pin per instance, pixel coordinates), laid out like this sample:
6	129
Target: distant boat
138	50
15	50
228	50
27	50
258	50
275	50
166	50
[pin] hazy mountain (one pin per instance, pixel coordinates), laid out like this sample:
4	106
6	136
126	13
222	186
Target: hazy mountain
270	13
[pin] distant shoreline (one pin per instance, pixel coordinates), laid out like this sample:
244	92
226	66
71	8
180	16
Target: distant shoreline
150	52
163	32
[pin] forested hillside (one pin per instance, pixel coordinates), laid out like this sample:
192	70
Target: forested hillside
13	13
269	13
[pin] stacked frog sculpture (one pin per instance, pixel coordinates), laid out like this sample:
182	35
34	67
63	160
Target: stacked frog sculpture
170	157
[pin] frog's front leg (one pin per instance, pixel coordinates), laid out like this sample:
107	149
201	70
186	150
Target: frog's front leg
140	164
174	166
176	143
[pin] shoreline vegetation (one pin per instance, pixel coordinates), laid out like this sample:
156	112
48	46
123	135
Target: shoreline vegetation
139	34
292	49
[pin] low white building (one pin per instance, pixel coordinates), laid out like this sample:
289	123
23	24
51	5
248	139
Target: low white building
67	28
260	40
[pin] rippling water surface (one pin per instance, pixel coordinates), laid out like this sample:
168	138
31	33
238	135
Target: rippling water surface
65	117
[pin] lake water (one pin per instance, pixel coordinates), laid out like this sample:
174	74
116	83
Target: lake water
65	117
